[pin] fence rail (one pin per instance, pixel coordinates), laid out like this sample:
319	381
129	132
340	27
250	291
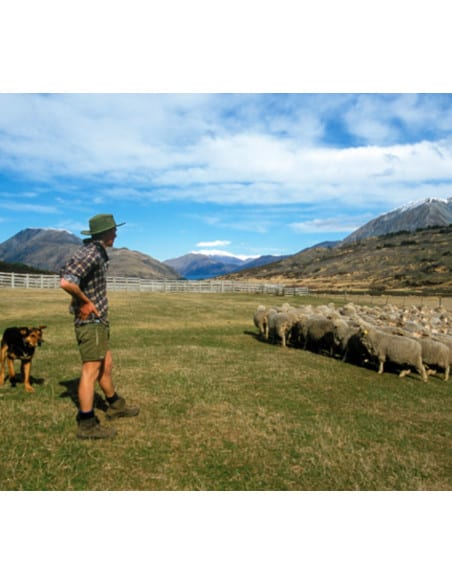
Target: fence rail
116	283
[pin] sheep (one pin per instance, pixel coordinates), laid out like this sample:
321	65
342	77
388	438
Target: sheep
260	320
338	332
326	334
263	315
355	351
342	331
435	354
348	310
400	350
299	329
318	334
447	341
280	326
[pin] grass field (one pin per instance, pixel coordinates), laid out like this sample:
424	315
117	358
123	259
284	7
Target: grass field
220	410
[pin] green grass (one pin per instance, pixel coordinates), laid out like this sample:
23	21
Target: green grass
220	410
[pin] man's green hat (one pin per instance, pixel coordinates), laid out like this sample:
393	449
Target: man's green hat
101	223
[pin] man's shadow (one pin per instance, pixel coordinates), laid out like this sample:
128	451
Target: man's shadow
71	392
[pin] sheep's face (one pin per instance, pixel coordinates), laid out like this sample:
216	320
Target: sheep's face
365	338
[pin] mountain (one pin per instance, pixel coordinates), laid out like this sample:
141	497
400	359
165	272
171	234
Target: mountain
125	262
418	215
418	261
200	266
45	249
20	269
408	248
327	244
262	261
49	250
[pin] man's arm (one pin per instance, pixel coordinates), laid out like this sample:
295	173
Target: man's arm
86	306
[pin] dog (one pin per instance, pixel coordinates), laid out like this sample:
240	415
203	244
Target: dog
19	343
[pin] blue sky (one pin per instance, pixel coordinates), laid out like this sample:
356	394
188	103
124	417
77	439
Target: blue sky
248	174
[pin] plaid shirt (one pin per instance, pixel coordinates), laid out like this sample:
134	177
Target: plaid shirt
88	269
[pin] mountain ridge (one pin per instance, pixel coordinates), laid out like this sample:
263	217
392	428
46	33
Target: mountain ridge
197	265
50	249
428	212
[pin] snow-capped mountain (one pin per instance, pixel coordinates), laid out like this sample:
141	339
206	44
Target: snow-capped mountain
430	212
211	263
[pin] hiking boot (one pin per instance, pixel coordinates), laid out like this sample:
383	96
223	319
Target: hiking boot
119	409
92	429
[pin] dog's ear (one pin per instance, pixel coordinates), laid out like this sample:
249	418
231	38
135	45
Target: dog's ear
42	326
24	331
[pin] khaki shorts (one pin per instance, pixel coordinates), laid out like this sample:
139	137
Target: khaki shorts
93	341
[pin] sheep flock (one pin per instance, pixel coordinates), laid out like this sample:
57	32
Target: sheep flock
405	340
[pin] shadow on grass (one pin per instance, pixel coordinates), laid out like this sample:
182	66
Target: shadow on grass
71	392
19	379
255	336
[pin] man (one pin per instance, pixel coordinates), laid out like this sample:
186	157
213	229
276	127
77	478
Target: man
84	278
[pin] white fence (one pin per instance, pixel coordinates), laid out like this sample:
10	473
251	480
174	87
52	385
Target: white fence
8	280
115	283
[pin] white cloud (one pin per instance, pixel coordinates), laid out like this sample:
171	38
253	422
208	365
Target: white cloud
217	243
326	225
222	253
240	149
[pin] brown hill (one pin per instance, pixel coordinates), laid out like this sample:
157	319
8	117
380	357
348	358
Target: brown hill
418	261
125	262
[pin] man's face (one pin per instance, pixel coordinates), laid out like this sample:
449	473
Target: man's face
109	237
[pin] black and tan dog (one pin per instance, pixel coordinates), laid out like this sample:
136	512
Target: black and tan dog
19	343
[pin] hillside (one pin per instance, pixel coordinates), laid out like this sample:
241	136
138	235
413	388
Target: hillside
19	268
125	262
419	261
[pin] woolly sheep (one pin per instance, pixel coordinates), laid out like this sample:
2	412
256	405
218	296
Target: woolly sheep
342	331
446	340
400	350
318	334
260	320
336	331
280	326
435	354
